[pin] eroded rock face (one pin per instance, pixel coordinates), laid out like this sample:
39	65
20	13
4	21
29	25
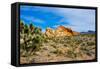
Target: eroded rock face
49	32
60	31
76	33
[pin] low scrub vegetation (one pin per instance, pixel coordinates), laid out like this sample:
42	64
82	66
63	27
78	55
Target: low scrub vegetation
36	47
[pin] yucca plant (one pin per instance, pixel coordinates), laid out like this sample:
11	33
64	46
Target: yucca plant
37	30
31	26
26	29
21	26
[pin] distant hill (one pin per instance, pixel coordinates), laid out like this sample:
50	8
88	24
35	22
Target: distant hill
88	32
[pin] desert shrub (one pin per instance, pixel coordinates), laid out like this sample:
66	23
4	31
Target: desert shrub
57	52
87	50
90	43
71	54
65	45
83	44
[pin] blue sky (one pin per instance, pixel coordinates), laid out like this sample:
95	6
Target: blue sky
80	20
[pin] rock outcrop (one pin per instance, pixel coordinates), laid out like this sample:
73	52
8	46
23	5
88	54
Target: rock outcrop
60	31
49	32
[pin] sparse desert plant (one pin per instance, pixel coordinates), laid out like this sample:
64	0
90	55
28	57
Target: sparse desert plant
57	52
71	54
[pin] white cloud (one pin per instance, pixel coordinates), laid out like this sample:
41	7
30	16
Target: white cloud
80	19
32	19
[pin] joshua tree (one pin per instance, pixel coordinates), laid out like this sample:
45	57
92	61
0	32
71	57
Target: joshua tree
21	26
37	41
37	30
26	29
31	27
